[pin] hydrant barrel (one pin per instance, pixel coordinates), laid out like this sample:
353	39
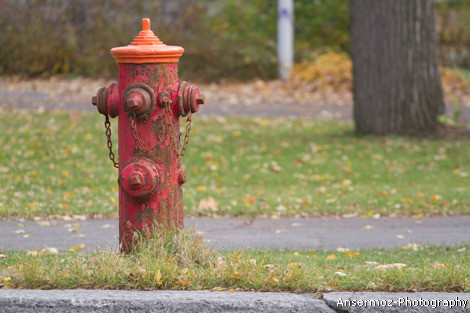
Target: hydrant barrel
148	100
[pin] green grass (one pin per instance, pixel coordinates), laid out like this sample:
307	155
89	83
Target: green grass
56	163
181	261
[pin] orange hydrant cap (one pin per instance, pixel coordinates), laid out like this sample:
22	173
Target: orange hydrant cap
147	48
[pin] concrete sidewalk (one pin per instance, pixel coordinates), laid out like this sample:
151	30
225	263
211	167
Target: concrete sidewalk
231	233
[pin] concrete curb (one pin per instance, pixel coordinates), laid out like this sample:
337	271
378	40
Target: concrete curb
18	300
21	300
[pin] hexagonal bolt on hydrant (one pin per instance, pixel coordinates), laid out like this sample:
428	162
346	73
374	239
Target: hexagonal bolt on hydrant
149	100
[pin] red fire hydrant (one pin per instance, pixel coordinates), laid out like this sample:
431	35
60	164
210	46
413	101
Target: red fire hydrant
149	100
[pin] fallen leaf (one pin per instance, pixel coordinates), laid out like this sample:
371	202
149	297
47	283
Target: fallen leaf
33	252
438	265
352	254
218	289
372	285
77	248
49	250
249	200
411	246
5	281
158	277
331	257
208	204
388	266
341	274
201	188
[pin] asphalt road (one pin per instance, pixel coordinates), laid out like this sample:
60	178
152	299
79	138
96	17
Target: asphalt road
225	233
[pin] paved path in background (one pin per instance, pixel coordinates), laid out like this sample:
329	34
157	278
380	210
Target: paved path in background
40	100
231	233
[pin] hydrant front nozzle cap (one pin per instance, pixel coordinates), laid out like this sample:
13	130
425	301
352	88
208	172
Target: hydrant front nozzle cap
147	48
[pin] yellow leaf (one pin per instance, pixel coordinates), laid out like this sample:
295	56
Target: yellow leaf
351	254
77	248
201	188
158	277
312	255
88	137
296	253
218	289
331	257
65	173
6	281
264	122
236	133
435	198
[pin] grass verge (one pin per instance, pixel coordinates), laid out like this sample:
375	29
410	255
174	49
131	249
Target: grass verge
56	163
180	261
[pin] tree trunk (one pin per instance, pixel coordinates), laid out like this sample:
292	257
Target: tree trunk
397	86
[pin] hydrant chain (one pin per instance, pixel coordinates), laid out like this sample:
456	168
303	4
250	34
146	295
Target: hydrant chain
186	136
162	131
109	143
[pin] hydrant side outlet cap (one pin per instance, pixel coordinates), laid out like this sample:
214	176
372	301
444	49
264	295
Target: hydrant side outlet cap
147	48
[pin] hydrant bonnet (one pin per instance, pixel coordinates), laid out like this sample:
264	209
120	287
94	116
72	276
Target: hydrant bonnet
147	48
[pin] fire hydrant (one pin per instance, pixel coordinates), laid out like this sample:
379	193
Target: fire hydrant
149	100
